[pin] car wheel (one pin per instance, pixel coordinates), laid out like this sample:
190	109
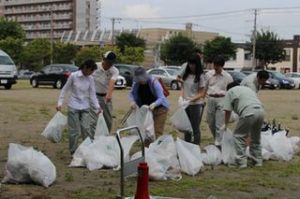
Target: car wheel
58	84
7	86
174	86
34	83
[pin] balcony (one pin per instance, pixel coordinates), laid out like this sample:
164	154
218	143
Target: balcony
47	27
45	18
23	2
55	9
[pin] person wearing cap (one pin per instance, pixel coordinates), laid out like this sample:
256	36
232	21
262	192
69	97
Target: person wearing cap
216	83
245	103
256	81
146	90
105	77
81	86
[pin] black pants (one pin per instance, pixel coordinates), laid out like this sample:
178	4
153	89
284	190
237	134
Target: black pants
194	114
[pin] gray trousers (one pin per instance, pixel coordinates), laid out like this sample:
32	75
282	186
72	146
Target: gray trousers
107	110
250	125
215	117
78	125
194	115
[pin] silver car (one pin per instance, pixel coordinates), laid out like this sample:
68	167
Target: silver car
169	77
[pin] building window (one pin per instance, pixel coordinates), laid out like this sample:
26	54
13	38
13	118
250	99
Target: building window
287	55
247	56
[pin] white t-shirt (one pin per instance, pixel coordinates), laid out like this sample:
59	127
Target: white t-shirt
191	88
102	78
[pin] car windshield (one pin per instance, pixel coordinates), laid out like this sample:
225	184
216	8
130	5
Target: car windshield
71	68
172	72
278	75
5	60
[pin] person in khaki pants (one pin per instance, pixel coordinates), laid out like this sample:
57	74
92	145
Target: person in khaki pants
146	90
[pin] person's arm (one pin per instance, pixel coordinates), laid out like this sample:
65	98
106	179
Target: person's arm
111	85
93	97
227	117
131	96
200	95
64	90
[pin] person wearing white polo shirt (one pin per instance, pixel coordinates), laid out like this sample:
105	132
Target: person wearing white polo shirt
105	77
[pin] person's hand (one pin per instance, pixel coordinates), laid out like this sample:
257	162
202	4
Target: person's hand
180	101
108	98
224	127
152	106
133	105
99	111
58	108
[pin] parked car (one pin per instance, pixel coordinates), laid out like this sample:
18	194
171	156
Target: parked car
25	74
120	82
55	75
295	77
127	71
284	82
237	76
8	71
169	77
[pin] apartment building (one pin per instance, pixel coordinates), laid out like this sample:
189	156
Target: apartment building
1	8
291	63
39	17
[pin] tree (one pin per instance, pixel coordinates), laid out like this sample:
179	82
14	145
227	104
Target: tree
64	53
11	29
36	54
218	46
132	55
177	49
269	48
129	40
13	47
84	53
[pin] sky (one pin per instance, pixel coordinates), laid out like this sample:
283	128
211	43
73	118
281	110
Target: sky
202	13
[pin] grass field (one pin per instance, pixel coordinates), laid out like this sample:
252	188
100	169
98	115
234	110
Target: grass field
24	112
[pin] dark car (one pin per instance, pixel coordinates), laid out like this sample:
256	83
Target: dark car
284	82
237	76
127	71
55	75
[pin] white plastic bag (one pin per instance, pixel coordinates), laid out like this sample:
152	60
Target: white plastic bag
162	159
189	157
181	121
101	127
281	146
143	119
55	127
228	148
26	165
212	156
78	156
103	152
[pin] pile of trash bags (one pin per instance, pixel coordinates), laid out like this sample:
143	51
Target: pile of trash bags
26	165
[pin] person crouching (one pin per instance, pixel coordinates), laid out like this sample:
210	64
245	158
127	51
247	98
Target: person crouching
147	90
244	102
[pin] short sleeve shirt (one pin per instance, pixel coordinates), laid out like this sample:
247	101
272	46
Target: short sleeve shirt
241	100
191	88
216	84
251	82
102	78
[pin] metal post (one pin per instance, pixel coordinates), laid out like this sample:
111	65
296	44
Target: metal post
254	41
51	26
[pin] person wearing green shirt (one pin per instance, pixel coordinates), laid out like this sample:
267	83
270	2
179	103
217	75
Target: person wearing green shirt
244	102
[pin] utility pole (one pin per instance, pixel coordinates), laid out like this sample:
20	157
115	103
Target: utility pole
51	32
254	40
113	21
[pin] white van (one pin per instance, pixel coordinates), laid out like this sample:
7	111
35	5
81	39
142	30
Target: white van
8	71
